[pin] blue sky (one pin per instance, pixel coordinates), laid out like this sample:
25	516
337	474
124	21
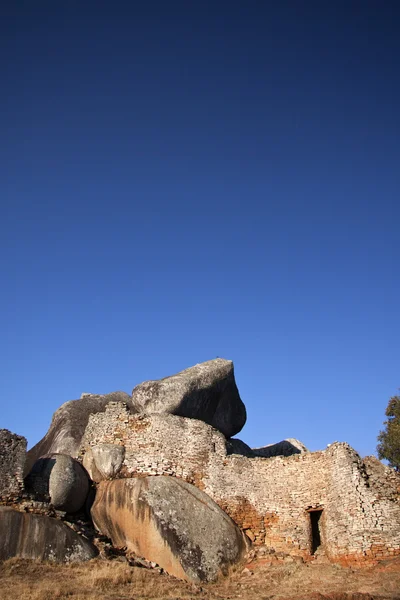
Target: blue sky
185	180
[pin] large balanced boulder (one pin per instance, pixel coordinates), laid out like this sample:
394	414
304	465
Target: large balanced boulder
69	423
60	479
39	537
207	392
170	522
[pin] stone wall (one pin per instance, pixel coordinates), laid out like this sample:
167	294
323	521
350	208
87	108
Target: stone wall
157	445
364	508
271	499
12	461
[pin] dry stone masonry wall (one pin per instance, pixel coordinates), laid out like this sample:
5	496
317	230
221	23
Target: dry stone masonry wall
12	461
282	503
363	518
285	499
157	444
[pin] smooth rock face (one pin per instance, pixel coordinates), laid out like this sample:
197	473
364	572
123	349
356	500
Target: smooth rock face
207	392
69	423
108	459
26	535
90	466
283	448
61	479
170	522
236	446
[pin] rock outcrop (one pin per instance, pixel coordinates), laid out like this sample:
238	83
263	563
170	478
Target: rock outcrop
38	537
175	487
170	522
60	479
283	448
207	392
69	423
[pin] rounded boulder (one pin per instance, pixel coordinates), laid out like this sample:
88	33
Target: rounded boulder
60	479
170	522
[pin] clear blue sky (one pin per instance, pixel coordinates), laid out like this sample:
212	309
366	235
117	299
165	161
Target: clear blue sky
185	180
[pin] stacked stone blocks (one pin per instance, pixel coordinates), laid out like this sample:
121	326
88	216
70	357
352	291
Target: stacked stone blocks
12	462
269	498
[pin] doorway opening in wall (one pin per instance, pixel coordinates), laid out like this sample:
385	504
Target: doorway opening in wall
315	516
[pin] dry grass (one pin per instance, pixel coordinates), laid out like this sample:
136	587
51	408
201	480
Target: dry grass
94	580
114	580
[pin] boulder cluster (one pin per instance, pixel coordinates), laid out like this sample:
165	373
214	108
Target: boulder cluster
161	518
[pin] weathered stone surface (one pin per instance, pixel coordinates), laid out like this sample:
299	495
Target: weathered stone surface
61	479
207	392
385	479
155	444
268	498
12	461
38	537
90	466
170	522
108	459
68	425
283	448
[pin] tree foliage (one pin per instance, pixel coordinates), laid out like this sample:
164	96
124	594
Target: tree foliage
389	438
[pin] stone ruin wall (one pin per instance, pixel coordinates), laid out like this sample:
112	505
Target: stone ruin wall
157	445
269	498
12	462
12	467
364	506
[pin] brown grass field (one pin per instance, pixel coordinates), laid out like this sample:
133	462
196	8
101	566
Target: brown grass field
115	580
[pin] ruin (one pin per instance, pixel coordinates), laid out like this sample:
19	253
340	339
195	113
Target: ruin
12	462
330	500
285	499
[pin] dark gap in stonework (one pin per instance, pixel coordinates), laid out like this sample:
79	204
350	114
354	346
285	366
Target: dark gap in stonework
315	516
